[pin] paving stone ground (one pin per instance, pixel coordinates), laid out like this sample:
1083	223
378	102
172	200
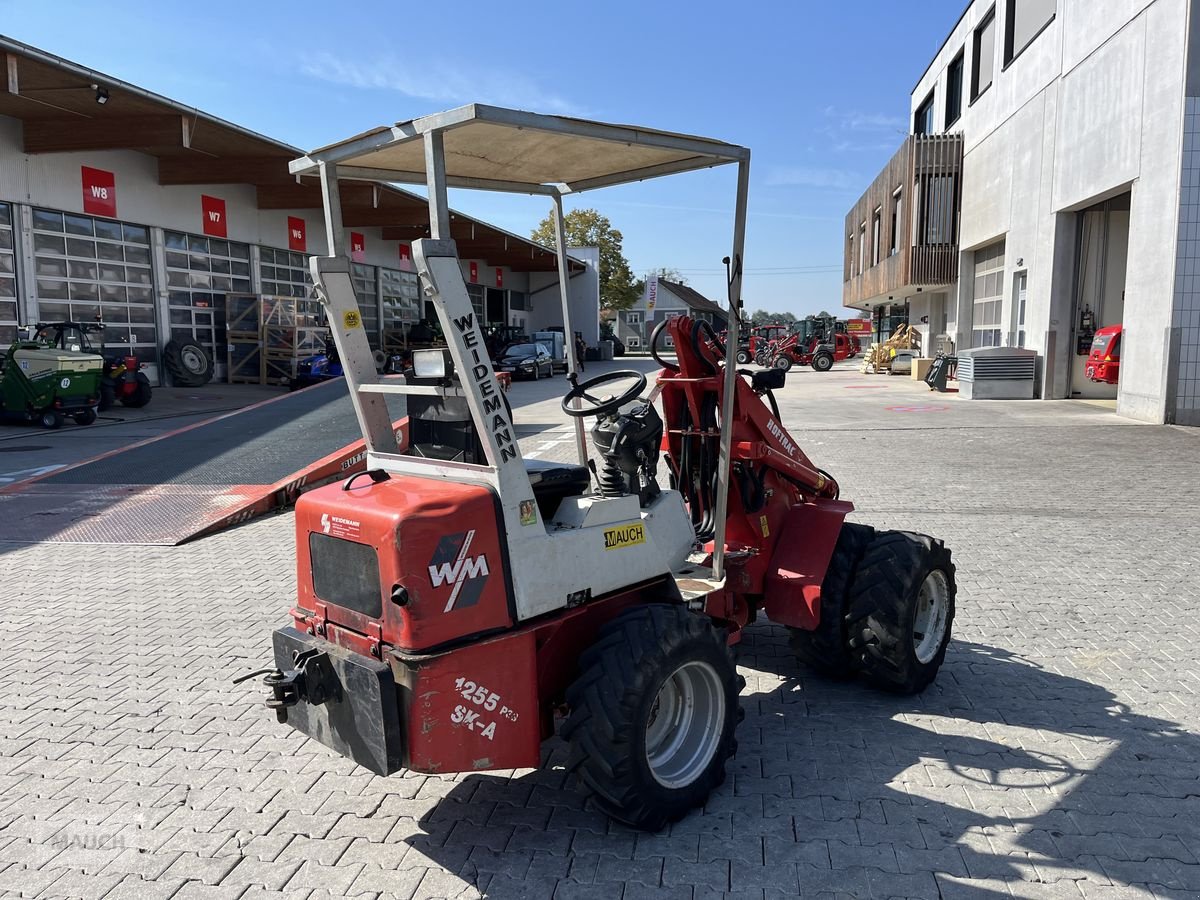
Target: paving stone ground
1056	756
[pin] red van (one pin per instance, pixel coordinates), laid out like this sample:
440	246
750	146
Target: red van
1104	362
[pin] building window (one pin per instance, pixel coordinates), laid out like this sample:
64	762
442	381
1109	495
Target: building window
850	254
90	270
1025	21
284	273
939	213
923	118
633	317
8	278
1020	292
200	272
475	292
366	292
400	296
862	249
985	55
988	297
897	219
633	342
516	300
954	90
876	236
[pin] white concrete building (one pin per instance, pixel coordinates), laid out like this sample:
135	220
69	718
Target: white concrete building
122	205
1075	203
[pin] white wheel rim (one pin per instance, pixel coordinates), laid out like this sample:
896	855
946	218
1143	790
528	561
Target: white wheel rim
684	725
933	610
193	360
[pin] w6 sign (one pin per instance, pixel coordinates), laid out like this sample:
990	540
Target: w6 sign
99	192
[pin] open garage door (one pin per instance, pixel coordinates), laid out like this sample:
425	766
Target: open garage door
1103	250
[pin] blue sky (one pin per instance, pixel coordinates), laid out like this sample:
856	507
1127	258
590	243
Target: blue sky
819	92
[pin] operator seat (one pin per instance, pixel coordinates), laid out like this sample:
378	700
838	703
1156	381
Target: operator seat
554	482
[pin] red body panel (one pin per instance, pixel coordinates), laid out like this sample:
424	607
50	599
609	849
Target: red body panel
438	540
793	594
474	708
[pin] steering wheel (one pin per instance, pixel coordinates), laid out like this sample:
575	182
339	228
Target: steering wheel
600	406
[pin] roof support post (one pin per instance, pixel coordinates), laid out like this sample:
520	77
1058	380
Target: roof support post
331	201
731	345
564	289
435	178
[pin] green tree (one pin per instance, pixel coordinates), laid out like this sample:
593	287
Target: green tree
761	317
587	228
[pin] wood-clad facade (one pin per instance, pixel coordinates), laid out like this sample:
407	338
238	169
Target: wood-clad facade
903	232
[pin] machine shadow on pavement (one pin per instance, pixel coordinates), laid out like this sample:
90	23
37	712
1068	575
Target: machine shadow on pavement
828	772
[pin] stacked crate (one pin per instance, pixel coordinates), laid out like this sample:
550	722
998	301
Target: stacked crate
269	335
244	336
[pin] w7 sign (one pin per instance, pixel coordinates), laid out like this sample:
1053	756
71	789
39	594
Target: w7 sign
213	211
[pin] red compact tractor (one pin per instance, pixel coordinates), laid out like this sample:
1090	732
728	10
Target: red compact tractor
459	604
819	353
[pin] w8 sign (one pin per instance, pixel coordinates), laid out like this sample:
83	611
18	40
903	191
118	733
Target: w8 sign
99	192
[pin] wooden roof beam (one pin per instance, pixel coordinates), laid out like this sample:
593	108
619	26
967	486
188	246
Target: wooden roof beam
411	220
62	135
227	170
9	83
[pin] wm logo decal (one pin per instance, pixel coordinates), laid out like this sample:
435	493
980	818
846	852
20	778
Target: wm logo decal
453	564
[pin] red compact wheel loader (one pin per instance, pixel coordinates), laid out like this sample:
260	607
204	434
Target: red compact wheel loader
459	604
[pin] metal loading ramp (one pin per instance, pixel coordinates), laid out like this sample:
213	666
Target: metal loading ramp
196	480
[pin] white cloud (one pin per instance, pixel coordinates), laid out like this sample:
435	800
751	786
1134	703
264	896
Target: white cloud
438	81
728	211
814	177
856	120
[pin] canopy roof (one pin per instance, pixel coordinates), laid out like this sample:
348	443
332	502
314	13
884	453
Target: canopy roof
493	148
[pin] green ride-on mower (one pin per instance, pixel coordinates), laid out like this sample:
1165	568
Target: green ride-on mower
41	383
122	378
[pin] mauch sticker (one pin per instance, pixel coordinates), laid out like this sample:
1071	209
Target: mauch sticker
624	536
528	512
351	318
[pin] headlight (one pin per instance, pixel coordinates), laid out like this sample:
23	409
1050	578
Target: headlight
527	364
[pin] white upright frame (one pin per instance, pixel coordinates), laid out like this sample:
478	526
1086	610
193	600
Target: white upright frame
437	263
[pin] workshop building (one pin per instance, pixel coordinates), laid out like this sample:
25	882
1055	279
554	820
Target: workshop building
120	205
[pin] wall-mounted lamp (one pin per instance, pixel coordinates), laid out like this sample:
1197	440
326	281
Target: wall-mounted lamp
1020	262
101	94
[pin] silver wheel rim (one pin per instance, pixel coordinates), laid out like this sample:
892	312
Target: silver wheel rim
933	608
193	360
685	723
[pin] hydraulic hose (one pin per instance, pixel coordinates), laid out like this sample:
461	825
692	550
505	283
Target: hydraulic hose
670	367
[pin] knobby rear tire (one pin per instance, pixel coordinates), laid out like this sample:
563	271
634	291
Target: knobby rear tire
886	600
612	701
826	648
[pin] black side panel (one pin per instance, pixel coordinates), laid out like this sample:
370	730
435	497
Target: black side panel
362	724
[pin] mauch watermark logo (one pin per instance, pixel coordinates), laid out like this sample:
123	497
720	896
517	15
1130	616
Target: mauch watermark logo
453	564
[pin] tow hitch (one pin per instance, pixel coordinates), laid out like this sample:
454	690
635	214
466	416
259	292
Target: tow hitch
312	680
